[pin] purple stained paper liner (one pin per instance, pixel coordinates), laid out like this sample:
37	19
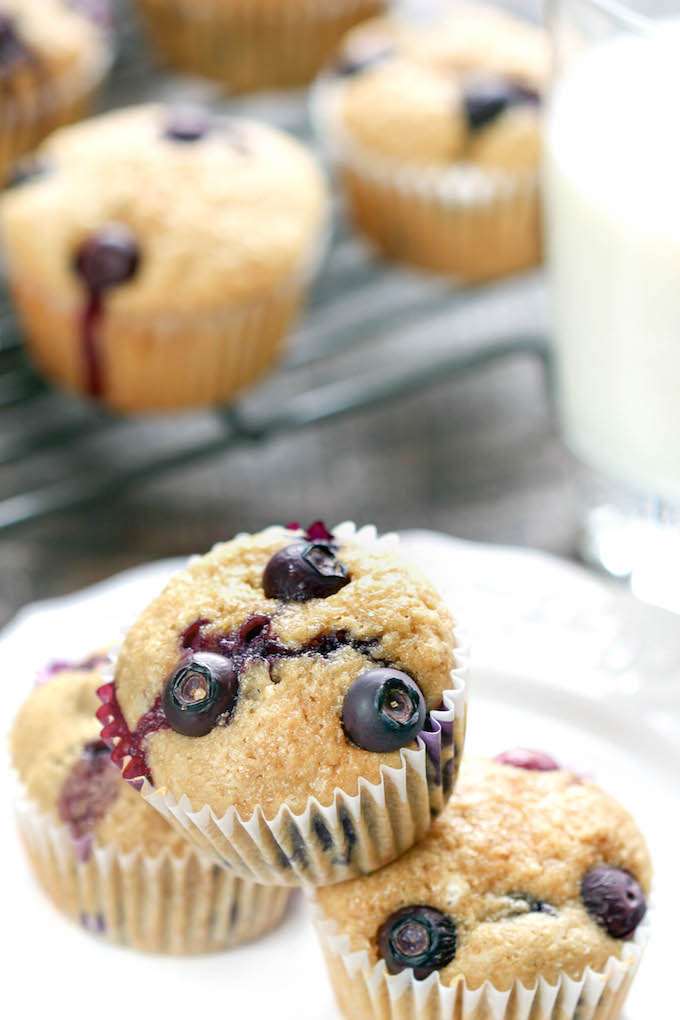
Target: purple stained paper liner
160	904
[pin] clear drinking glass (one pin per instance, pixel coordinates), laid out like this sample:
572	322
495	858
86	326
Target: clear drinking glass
612	182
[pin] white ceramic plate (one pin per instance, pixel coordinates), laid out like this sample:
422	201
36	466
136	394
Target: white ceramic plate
559	663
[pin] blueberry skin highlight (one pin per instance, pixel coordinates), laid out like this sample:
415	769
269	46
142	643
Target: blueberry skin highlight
304	571
614	899
199	692
419	937
383	710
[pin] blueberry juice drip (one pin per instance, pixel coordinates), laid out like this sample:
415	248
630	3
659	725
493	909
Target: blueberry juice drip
90	319
104	261
88	792
254	641
123	742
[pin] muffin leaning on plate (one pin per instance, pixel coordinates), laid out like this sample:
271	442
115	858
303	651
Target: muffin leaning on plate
435	129
524	902
53	56
106	859
295	702
160	257
252	44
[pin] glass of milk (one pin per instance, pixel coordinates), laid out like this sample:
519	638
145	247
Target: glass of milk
612	183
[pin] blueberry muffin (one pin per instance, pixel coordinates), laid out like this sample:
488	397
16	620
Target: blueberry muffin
53	56
161	257
525	900
252	44
295	700
435	129
106	859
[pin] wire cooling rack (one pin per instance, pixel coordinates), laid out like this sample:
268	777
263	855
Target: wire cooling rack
372	332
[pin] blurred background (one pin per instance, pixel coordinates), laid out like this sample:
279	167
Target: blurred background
403	402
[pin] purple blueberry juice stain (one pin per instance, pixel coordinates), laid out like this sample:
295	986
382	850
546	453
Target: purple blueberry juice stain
94	923
104	261
53	669
316	532
124	742
528	758
252	642
88	792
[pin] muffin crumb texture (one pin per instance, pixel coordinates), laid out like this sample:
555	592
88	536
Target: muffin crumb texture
505	861
283	740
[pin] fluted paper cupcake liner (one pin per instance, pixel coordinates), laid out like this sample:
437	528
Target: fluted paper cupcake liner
161	904
464	220
354	834
366	991
158	363
31	113
251	44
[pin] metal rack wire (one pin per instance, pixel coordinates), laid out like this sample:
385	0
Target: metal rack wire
372	332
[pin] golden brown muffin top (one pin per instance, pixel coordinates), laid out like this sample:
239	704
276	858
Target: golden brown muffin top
290	662
67	771
219	216
504	862
464	89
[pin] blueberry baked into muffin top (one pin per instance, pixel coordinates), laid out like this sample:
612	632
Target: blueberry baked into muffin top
279	667
66	769
464	89
529	872
152	222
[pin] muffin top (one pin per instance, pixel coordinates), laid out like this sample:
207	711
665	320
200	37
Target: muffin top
50	35
280	666
465	89
67	771
525	874
200	211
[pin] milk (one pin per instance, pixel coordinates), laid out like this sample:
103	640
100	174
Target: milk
612	179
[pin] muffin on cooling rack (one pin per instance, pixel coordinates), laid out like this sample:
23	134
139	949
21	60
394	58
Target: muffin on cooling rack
53	56
106	859
525	900
162	255
435	129
294	701
253	44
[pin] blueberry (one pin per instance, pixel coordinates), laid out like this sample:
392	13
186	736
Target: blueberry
361	58
614	899
525	758
383	710
199	692
12	49
419	937
108	258
485	98
187	124
302	571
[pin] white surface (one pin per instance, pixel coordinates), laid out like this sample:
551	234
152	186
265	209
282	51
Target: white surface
612	169
552	647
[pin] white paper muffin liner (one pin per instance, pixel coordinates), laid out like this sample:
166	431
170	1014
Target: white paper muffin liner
54	99
464	220
251	44
366	991
161	904
355	834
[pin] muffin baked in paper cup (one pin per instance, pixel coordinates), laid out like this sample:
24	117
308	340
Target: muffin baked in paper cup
464	220
155	363
251	44
161	904
354	834
59	97
366	991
